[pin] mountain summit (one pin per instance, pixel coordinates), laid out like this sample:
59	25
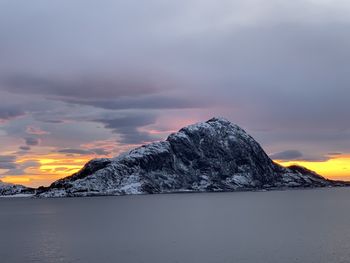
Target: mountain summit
209	156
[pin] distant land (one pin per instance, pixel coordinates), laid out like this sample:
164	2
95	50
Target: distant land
212	156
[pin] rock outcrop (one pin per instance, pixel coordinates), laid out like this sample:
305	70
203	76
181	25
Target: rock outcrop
211	156
7	189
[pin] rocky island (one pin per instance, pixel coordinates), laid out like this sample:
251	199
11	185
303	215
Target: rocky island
209	156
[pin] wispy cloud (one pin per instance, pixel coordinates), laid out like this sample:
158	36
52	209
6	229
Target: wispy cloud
127	127
287	155
94	151
10	112
7	162
31	141
36	131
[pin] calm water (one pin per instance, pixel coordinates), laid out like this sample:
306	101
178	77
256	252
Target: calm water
280	226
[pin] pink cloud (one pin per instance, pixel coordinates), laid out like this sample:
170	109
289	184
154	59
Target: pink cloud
36	130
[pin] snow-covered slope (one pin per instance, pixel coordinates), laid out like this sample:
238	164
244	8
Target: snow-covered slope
7	189
211	156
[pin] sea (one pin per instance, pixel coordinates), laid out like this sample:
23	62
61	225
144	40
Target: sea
241	227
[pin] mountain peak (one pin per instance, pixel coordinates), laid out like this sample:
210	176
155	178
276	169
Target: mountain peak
221	120
212	126
215	155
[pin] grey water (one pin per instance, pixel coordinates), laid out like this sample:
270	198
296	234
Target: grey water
277	226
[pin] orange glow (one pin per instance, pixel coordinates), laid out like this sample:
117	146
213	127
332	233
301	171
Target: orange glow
335	168
45	165
49	168
15	179
53	166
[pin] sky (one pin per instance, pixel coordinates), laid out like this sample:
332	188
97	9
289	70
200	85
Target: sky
84	79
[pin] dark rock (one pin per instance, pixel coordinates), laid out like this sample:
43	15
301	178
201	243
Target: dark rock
212	156
7	189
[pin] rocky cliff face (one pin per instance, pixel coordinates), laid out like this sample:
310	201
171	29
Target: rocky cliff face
14	189
211	156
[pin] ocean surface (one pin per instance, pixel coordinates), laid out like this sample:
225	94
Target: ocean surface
278	226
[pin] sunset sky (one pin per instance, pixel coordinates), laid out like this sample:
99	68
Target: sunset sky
83	79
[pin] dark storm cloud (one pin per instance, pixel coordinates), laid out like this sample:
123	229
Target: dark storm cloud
31	141
128	127
287	155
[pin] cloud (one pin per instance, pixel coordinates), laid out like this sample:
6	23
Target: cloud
10	112
315	158
75	151
7	162
295	155
100	151
24	148
287	155
108	92
36	131
140	102
53	121
127	127
31	141
21	167
85	86
334	153
97	151
61	169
